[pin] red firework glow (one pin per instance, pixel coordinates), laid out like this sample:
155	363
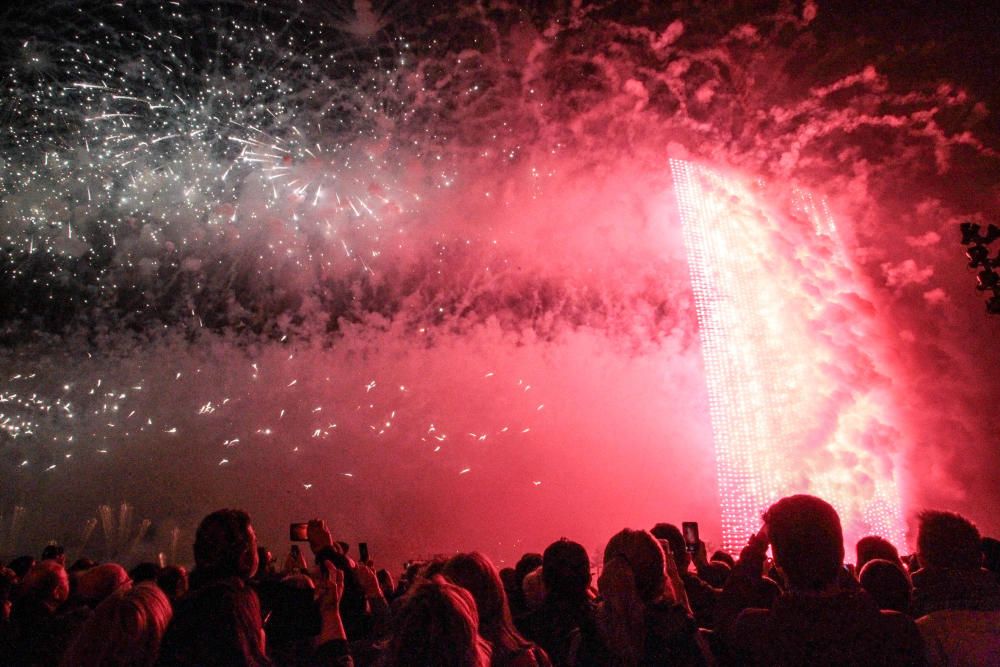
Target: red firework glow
422	269
786	415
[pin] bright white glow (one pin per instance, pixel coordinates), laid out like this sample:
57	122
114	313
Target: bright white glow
796	399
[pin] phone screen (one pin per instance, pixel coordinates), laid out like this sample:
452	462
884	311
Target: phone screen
298	532
363	551
691	537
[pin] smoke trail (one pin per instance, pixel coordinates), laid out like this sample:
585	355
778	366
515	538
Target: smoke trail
488	200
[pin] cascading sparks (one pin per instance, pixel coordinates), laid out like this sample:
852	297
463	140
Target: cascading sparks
796	399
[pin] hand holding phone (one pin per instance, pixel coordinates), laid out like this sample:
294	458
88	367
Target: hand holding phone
363	552
298	532
761	540
295	560
691	536
368	580
318	535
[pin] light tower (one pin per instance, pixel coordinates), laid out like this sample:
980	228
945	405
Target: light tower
798	399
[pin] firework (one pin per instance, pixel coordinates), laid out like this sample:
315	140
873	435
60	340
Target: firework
783	418
157	143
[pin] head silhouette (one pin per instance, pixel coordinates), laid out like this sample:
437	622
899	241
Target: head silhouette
566	570
948	540
225	545
437	624
807	541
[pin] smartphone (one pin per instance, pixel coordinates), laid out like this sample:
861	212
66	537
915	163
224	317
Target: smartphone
363	552
299	532
295	551
691	538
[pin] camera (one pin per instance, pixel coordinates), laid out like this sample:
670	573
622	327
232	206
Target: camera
299	532
691	537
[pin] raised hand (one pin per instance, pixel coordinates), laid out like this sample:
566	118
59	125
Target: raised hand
318	535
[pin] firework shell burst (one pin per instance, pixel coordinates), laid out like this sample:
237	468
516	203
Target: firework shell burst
143	127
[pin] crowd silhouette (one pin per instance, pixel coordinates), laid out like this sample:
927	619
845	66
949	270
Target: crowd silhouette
787	599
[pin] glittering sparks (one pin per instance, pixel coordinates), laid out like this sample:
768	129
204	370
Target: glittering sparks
158	141
785	418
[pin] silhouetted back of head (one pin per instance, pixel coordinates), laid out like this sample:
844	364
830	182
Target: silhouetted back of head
47	582
219	624
644	557
566	570
54	552
991	554
534	589
476	573
437	624
81	564
724	557
672	534
100	581
886	581
21	565
715	573
225	545
146	571
529	562
125	629
173	580
948	540
429	568
807	541
872	547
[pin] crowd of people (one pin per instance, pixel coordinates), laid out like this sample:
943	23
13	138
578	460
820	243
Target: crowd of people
658	600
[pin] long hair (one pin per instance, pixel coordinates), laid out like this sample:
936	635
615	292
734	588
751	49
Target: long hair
224	546
437	624
125	629
218	624
633	577
476	573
